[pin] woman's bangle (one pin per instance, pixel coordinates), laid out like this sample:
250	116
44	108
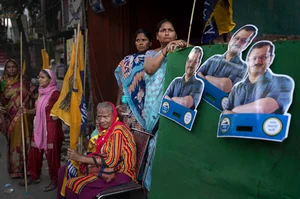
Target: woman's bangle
162	52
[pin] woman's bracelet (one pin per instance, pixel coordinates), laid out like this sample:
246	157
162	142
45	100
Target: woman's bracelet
163	53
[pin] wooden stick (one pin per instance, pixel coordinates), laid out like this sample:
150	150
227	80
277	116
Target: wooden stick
191	21
77	35
76	57
21	103
84	82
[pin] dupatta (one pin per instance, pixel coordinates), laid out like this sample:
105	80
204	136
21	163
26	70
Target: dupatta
130	74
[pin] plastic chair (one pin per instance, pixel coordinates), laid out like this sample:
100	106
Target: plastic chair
142	139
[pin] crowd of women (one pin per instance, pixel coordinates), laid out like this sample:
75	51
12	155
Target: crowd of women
140	77
46	136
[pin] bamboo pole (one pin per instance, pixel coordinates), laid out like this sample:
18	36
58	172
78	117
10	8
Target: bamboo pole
21	104
84	83
44	42
191	21
77	35
76	57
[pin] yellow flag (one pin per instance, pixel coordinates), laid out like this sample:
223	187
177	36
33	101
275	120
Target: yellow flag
45	58
61	108
223	17
69	106
217	15
24	67
77	95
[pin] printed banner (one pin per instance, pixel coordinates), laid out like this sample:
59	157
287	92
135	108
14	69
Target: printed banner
261	100
75	13
221	72
184	93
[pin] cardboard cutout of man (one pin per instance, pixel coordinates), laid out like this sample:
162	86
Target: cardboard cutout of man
187	90
223	71
261	91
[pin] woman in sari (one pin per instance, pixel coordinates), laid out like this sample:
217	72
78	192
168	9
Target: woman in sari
47	135
155	67
114	151
10	99
130	77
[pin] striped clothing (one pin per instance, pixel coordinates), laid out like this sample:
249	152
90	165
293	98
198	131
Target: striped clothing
121	146
119	151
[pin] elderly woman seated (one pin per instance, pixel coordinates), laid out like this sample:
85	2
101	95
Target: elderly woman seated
112	162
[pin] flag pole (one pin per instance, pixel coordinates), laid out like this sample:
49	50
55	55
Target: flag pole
21	104
44	43
84	81
77	35
191	21
76	57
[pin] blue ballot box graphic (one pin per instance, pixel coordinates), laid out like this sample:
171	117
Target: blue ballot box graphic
177	113
214	96
184	94
271	127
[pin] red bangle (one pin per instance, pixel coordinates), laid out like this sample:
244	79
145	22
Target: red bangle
163	54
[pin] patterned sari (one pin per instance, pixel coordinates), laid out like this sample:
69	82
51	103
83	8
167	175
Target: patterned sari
154	94
10	99
130	74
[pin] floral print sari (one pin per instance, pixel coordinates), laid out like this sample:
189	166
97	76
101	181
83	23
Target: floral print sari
130	74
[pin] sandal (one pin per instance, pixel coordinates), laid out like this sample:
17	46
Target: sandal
50	187
30	182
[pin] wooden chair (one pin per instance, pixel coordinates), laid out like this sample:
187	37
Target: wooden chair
142	139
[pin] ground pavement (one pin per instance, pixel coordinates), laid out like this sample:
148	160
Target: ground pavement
36	191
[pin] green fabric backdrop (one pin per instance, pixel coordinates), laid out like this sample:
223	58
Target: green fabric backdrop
197	164
270	17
